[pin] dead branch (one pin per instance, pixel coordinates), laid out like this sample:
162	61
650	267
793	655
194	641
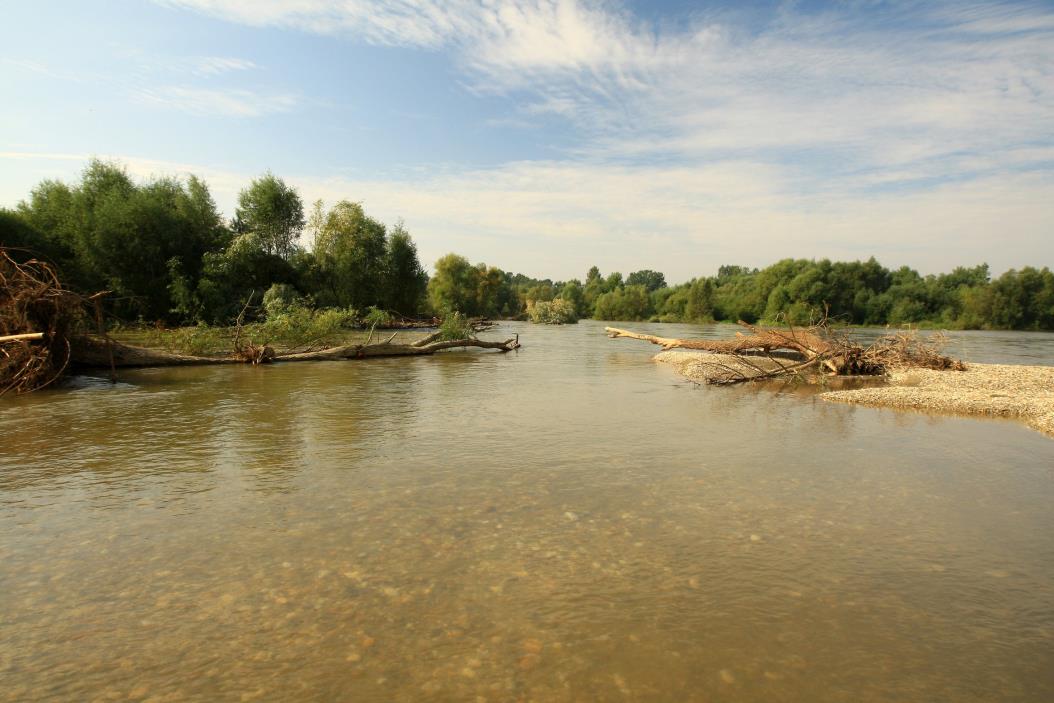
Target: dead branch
813	348
29	337
37	316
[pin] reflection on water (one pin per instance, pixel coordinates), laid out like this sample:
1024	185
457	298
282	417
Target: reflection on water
569	522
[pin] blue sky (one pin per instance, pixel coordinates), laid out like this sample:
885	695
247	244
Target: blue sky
548	136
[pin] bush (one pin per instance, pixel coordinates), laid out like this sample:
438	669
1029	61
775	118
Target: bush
279	298
196	341
553	312
300	325
455	326
375	317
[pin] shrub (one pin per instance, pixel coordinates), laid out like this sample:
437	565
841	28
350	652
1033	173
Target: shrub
279	298
553	312
301	325
455	326
375	317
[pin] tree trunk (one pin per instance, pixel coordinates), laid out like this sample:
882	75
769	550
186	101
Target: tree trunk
92	352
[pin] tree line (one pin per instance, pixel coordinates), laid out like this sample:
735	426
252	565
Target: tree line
166	254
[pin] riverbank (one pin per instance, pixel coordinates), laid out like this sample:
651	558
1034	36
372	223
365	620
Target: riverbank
994	390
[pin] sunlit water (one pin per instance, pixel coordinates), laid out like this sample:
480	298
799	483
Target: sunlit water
567	522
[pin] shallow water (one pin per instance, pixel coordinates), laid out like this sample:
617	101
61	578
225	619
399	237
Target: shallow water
567	522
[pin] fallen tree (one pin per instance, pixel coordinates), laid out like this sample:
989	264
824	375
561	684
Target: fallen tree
797	351
45	330
91	351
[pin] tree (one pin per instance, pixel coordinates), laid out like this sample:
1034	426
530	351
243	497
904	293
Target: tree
351	250
273	213
453	287
406	283
651	280
144	242
699	306
626	303
573	293
594	288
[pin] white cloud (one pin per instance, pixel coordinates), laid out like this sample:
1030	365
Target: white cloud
216	65
918	81
223	103
919	132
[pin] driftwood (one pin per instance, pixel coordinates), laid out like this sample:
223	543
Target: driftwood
795	351
28	337
37	316
93	352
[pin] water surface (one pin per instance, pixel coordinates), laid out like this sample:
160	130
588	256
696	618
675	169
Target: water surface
567	522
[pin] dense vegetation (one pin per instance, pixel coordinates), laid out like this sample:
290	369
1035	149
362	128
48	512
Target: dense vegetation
166	254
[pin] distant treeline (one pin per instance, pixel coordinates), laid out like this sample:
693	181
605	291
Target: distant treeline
165	253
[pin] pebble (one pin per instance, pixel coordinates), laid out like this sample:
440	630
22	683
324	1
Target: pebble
529	661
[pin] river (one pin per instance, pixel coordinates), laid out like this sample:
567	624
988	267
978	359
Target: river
569	522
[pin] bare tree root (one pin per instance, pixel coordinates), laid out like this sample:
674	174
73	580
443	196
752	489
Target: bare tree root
37	317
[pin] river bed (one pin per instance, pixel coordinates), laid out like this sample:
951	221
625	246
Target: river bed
569	522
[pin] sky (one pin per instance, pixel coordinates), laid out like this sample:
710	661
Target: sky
547	136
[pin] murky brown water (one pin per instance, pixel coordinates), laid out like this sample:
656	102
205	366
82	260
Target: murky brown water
570	522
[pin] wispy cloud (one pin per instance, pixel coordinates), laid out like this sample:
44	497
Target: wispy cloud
915	131
215	102
895	86
216	65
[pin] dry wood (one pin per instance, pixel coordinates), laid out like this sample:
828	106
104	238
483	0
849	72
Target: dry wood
34	303
815	347
29	336
93	352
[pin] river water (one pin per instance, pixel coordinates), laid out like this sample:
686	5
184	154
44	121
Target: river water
569	522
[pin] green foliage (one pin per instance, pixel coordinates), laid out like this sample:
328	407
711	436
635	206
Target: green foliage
453	287
122	236
651	280
28	242
479	290
165	254
279	298
552	312
196	341
624	303
350	248
405	281
574	293
455	326
375	317
299	326
272	214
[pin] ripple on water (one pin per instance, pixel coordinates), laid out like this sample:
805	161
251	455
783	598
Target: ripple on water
570	522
